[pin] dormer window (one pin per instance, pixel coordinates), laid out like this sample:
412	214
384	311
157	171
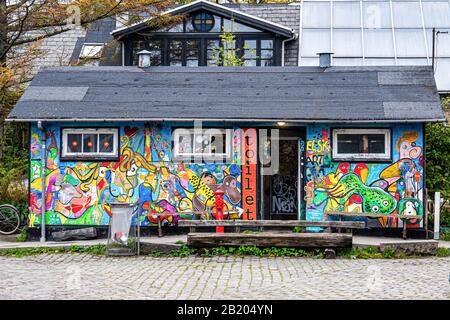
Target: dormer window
196	41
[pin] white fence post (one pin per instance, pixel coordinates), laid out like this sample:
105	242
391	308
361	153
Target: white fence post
437	213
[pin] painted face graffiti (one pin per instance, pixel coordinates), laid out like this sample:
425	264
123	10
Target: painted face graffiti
407	145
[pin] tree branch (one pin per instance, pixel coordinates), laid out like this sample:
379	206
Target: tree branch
22	23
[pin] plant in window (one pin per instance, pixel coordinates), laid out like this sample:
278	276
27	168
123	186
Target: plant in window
227	55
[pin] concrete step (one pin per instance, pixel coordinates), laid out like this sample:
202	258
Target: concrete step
410	246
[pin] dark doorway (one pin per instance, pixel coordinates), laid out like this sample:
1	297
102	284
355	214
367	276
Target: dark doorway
281	183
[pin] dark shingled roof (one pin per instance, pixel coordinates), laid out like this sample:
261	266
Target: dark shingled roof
303	94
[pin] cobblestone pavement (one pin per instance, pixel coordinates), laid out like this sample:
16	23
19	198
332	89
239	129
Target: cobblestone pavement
84	276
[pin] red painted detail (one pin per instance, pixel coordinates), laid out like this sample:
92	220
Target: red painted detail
101	184
249	173
219	208
356	198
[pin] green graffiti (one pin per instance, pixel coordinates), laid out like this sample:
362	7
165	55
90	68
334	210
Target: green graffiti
375	200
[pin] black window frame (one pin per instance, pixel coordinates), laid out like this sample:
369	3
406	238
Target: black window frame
167	36
202	54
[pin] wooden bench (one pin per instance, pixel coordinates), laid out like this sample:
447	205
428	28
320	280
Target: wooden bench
270	239
374	215
197	214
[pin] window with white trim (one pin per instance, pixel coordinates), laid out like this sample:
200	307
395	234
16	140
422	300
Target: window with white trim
91	50
361	144
96	144
205	144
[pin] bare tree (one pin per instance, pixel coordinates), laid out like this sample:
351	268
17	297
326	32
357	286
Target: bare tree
24	24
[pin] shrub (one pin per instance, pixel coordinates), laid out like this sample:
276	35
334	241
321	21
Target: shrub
22	236
14	168
437	143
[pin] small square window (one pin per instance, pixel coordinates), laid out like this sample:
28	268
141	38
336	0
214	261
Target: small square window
74	142
106	143
361	144
90	143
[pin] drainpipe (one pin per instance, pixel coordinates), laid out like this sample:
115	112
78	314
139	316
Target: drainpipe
43	191
282	47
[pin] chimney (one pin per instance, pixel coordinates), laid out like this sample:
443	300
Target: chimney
144	59
325	59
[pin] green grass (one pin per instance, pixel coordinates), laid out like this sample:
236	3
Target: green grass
443	252
22	236
370	253
98	249
297	230
186	251
375	253
445	236
354	253
183	252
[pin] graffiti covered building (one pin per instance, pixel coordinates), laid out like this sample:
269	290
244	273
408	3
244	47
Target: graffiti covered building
281	142
280	157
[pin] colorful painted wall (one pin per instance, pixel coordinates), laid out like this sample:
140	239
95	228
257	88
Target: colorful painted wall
384	188
78	192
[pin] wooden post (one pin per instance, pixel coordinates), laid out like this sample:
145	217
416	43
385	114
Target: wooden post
404	230
219	209
159	226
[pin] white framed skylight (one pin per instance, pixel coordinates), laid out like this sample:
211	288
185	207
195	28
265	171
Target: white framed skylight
91	50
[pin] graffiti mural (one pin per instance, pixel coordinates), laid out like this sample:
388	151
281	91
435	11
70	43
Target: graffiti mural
79	192
284	194
392	188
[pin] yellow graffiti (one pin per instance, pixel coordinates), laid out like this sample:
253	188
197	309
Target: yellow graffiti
318	146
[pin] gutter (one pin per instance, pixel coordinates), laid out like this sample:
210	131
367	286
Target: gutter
229	120
43	167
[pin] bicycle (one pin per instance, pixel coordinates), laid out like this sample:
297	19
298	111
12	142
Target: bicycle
10	220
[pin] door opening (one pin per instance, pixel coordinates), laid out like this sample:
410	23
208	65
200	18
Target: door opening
281	187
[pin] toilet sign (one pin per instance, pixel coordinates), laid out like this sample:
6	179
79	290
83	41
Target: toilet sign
249	161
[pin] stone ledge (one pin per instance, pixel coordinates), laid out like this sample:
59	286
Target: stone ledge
149	247
426	247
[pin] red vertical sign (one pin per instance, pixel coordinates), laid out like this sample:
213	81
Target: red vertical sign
249	162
